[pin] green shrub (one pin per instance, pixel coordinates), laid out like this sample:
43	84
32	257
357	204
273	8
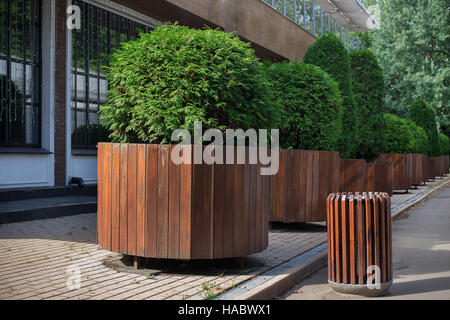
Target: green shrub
425	117
398	135
419	143
311	116
329	53
368	92
174	76
444	144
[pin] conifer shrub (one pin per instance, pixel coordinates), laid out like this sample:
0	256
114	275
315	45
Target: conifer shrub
311	105
174	76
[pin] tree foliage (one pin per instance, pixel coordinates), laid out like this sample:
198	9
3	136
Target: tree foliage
174	76
329	53
413	46
368	92
310	100
444	144
424	116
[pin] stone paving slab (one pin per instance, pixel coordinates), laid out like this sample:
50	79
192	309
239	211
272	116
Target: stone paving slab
36	258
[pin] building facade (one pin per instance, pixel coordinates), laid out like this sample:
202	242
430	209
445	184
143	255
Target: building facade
53	77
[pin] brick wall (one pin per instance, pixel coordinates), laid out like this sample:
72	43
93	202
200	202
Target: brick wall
60	93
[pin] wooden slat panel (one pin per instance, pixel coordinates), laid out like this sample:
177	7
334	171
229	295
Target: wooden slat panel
360	231
174	209
246	209
100	187
123	233
132	199
353	241
186	190
254	171
383	233
219	209
331	238
316	187
324	185
152	200
260	208
115	198
369	230
238	219
162	218
107	181
141	202
229	207
294	201
302	190
309	184
345	240
337	239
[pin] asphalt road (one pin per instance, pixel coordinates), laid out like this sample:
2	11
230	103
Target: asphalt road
421	256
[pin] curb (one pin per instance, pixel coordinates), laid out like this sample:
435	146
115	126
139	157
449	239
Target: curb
420	198
284	282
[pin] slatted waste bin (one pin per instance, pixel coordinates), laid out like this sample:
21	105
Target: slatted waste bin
359	243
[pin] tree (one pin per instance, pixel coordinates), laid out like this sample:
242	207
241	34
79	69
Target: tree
413	46
174	76
444	144
398	135
329	53
368	91
311	104
424	116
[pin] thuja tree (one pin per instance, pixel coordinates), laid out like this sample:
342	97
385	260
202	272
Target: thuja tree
425	117
310	103
368	92
174	76
444	144
398	135
329	53
419	139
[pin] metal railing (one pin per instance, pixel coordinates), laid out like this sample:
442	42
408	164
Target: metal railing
310	16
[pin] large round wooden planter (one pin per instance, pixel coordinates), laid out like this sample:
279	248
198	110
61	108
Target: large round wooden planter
379	177
359	242
437	166
426	169
150	207
416	169
402	169
446	164
352	175
299	191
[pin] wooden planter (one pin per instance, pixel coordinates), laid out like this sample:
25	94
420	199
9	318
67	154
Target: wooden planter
150	207
299	191
416	169
379	177
426	169
359	236
352	175
437	166
446	164
402	169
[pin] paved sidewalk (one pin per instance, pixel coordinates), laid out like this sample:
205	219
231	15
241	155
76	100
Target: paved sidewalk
421	257
35	257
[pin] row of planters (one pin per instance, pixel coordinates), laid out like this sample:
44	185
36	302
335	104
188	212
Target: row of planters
150	206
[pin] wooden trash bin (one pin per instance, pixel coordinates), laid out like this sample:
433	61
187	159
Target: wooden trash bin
359	243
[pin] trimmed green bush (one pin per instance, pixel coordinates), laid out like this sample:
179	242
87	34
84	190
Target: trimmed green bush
444	144
329	53
425	117
419	143
398	135
311	116
403	136
368	92
174	76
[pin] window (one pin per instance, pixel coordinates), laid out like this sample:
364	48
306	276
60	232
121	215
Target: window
20	73
100	34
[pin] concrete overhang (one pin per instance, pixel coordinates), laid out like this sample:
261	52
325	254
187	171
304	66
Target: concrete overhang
351	14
